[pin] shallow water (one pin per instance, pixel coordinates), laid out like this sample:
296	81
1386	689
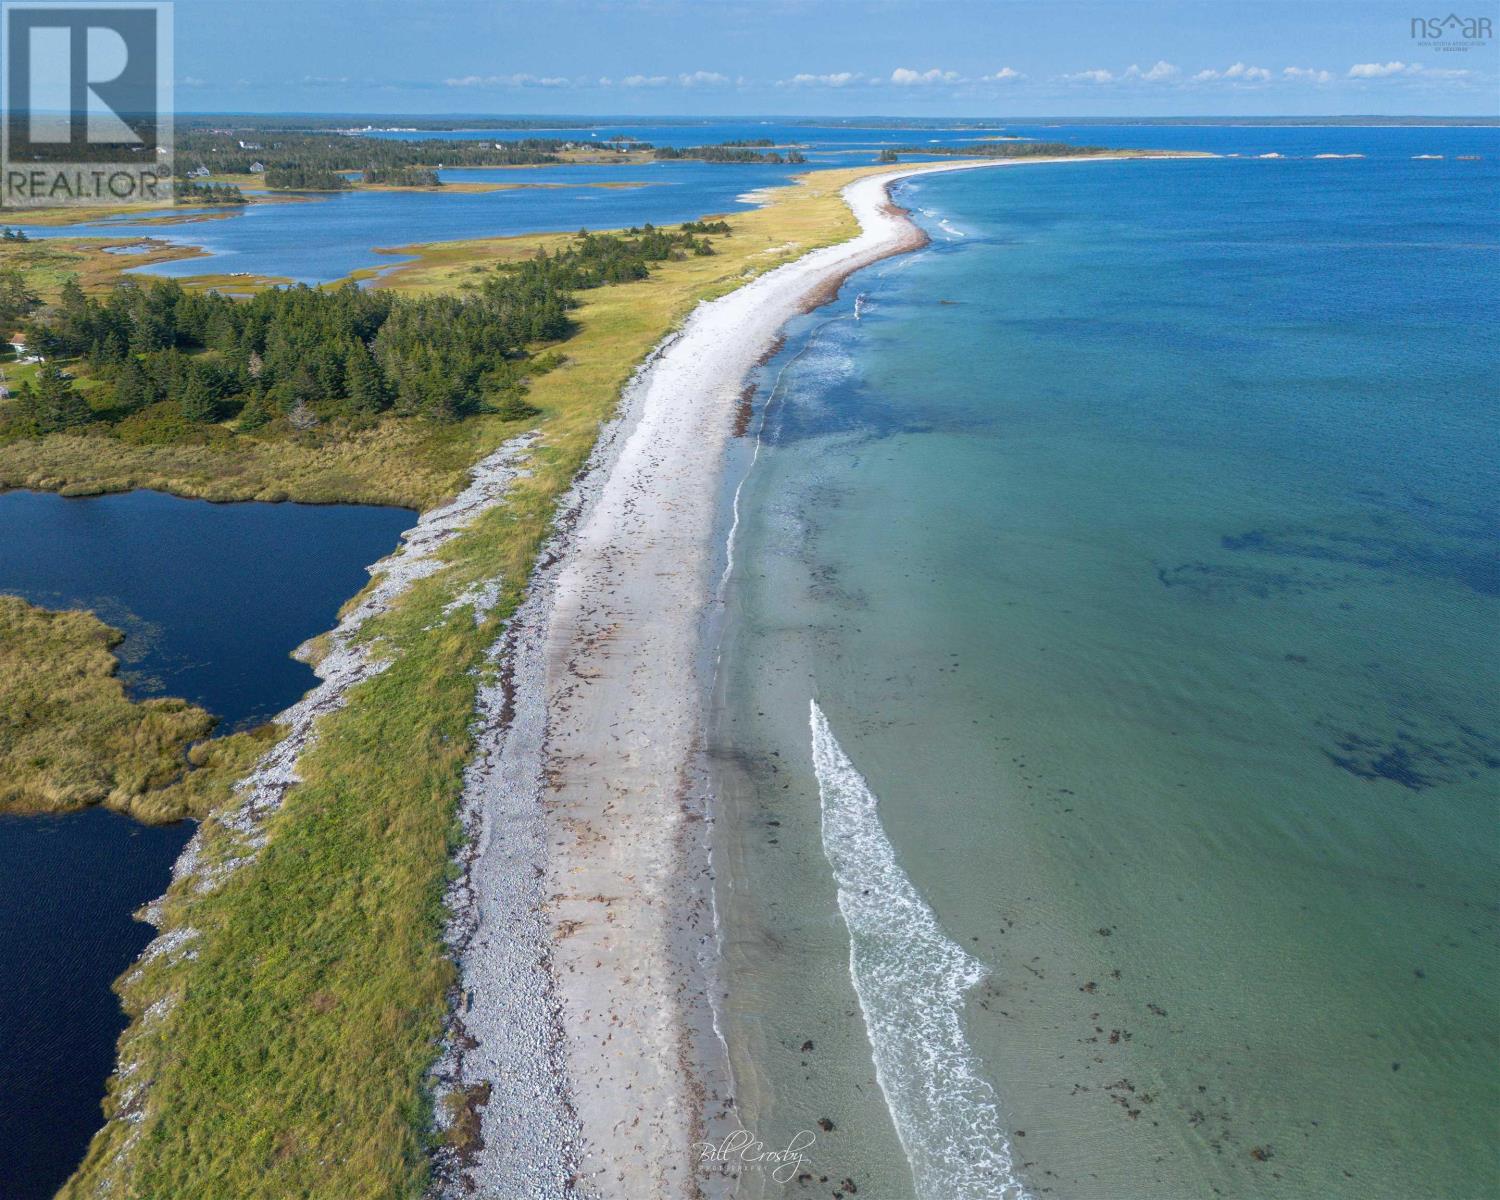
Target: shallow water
212	599
1140	544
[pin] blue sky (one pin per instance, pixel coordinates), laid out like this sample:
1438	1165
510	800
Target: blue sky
982	58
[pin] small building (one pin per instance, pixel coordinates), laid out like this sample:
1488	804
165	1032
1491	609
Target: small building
257	168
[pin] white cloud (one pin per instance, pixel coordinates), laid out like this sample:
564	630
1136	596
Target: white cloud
645	81
703	79
834	79
1392	69
1239	73
1003	75
1381	70
1307	74
508	81
1248	74
906	77
1162	70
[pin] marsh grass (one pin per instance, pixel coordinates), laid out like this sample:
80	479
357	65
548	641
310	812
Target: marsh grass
288	1056
70	737
95	262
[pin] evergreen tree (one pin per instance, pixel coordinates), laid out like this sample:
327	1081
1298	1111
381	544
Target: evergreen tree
133	390
53	405
367	389
197	400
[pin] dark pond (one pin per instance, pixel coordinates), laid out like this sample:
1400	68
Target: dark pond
212	598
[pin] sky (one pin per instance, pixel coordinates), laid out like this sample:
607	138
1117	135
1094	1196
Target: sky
902	58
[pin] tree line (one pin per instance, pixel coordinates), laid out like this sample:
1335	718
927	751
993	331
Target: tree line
403	176
187	192
728	152
163	361
293	177
223	153
316	159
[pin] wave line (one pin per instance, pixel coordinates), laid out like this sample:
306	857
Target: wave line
910	979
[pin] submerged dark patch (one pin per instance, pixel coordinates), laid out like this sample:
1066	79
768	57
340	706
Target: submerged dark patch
1464	553
1213	581
1415	761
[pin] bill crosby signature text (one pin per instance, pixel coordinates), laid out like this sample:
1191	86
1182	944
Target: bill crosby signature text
745	1148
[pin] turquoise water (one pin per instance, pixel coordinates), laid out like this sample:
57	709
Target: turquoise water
1140	546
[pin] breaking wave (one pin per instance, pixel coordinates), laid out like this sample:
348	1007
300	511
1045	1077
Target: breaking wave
911	980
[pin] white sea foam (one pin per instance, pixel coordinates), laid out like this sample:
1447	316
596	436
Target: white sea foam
910	979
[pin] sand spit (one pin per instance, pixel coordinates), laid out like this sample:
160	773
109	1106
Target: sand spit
585	926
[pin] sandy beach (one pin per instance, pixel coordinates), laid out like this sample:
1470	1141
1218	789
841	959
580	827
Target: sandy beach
587	943
588	937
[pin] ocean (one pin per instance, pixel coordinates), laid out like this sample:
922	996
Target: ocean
1107	714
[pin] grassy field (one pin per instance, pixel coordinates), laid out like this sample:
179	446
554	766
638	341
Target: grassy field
411	463
70	738
291	1057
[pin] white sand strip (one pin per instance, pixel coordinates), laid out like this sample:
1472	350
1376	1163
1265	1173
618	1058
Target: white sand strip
617	617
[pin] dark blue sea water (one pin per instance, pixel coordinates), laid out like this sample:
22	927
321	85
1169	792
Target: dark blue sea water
1140	544
212	599
855	144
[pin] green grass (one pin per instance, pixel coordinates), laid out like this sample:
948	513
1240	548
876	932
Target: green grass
48	262
415	463
71	738
292	1060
